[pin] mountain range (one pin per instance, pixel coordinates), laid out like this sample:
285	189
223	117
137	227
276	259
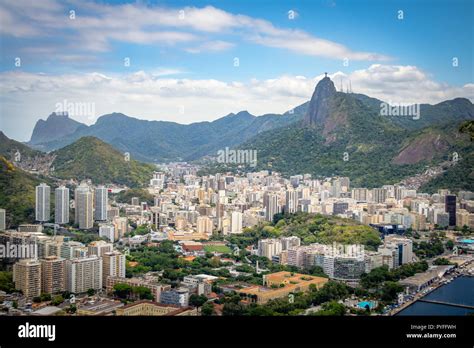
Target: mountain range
159	141
334	133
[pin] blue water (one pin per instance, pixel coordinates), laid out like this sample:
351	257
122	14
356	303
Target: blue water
459	291
364	304
467	241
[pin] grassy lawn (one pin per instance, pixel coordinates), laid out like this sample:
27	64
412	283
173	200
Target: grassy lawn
217	248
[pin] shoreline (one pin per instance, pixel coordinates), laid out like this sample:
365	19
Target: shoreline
440	284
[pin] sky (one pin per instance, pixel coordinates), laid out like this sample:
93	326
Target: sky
192	61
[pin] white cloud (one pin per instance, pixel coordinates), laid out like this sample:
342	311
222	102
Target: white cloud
26	97
96	25
405	84
211	46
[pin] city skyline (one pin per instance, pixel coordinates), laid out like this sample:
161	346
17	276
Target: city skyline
290	165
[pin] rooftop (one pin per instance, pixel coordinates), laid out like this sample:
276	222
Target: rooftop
49	310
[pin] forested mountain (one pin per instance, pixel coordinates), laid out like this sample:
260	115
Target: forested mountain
345	134
91	158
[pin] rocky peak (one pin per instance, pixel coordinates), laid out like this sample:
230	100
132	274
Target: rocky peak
318	109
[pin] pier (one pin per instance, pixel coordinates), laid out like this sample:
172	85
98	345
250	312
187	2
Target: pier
447	303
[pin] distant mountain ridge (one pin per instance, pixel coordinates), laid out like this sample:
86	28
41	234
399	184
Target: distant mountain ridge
161	141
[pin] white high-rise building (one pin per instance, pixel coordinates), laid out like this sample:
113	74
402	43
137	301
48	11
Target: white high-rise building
272	206
61	206
404	248
107	231
204	225
83	274
269	247
84	212
43	203
100	204
236	222
120	226
99	248
158	180
289	242
379	195
360	194
291	201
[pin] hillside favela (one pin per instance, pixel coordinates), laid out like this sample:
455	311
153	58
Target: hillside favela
353	195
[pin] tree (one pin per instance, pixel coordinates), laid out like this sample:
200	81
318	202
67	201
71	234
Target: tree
332	308
441	261
367	309
197	300
215	262
142	292
66	294
45	297
449	245
317	271
231	308
390	291
6	281
72	309
122	290
208	309
90	292
57	300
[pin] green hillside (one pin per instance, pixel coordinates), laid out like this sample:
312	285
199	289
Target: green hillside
8	148
91	158
17	194
460	176
311	228
353	141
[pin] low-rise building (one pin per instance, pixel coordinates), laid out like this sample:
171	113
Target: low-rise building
155	288
149	308
99	307
177	297
279	285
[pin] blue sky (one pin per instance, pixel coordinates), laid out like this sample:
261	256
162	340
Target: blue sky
182	63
